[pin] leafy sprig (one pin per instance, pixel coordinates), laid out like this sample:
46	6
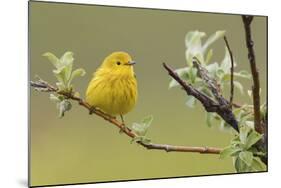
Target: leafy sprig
242	148
219	71
65	74
141	130
245	155
64	70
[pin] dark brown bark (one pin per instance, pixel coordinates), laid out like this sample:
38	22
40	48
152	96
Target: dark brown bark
220	106
247	20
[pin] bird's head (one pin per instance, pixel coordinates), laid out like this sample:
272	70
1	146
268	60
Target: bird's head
119	62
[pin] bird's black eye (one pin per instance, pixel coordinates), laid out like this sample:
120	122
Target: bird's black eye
118	63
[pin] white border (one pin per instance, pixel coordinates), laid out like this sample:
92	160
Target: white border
13	94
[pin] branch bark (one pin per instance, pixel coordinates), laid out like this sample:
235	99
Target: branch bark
260	125
211	82
44	86
221	106
247	20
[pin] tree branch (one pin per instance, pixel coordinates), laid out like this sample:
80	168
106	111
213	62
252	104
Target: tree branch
211	82
247	20
221	107
231	72
44	86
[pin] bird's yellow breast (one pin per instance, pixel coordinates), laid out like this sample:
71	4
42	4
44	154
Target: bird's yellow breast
113	93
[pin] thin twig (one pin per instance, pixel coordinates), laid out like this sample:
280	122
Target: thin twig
43	86
247	20
231	72
221	107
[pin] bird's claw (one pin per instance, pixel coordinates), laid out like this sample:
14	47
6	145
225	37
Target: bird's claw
123	128
92	109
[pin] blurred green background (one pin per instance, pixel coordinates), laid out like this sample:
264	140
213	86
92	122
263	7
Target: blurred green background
81	148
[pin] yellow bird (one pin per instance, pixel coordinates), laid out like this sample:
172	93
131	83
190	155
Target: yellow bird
113	88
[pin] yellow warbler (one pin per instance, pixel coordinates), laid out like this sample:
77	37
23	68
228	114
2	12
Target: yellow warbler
113	88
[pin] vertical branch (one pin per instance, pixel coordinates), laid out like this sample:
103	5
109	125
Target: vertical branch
231	72
247	20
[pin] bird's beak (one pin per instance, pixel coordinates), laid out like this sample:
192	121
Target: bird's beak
131	63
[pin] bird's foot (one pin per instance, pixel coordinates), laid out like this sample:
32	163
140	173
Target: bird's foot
92	110
123	128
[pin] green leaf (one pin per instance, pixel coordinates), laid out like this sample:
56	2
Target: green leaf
64	106
76	73
246	157
212	39
236	142
60	72
138	129
212	68
226	62
253	138
192	74
183	74
54	98
60	75
259	153
240	166
244	134
223	125
250	93
209	119
67	62
67	58
220	74
67	72
242	74
53	59
61	97
147	120
63	71
173	83
229	152
217	117
190	102
239	86
263	110
250	124
194	46
205	90
60	86
64	68
193	38
258	165
145	140
209	56
237	113
226	77
141	128
245	118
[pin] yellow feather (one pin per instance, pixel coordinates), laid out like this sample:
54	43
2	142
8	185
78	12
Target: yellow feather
113	88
